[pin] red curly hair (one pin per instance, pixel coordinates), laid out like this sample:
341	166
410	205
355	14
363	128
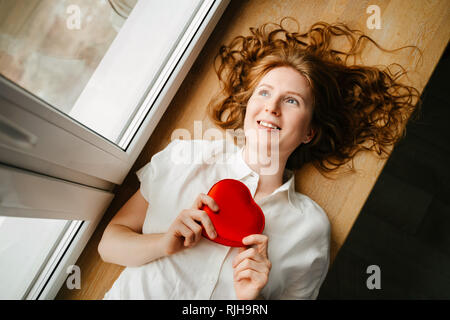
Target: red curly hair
355	107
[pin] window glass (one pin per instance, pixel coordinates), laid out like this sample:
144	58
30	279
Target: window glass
26	244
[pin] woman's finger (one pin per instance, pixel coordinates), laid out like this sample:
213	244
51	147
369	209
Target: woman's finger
250	253
205	199
194	226
257	266
258	277
260	241
182	230
202	217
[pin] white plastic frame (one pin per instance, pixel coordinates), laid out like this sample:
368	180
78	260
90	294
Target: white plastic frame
88	159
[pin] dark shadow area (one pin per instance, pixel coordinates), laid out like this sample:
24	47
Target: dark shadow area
404	227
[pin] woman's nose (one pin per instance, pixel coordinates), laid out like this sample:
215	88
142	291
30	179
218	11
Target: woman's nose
272	108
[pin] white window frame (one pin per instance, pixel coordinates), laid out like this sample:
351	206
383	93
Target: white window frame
38	121
93	151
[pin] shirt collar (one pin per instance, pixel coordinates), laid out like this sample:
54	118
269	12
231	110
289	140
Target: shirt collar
238	169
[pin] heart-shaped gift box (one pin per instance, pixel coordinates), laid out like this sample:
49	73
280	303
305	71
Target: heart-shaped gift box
238	215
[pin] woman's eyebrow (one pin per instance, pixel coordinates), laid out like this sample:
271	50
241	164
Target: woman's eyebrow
289	92
265	85
295	93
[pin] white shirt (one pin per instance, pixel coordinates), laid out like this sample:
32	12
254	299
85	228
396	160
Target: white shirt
298	230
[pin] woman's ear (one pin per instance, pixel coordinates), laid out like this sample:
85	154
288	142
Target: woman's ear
310	135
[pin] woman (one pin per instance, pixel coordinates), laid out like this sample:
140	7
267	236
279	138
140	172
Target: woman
294	96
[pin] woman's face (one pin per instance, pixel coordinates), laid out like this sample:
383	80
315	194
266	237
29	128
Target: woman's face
282	98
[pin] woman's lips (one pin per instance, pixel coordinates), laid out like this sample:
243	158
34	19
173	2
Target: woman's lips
266	128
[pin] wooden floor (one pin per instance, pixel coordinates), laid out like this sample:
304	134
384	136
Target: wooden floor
404	225
422	23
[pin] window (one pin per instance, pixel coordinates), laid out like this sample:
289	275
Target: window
35	240
83	83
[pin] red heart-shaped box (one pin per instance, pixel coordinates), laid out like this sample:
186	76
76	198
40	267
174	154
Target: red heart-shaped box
238	216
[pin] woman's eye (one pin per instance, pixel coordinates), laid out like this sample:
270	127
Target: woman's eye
264	93
292	100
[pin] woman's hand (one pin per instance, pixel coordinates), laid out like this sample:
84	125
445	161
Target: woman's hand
186	230
251	267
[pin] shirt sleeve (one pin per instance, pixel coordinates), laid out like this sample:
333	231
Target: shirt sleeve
158	165
307	283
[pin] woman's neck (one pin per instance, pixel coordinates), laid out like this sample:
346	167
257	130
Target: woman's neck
270	177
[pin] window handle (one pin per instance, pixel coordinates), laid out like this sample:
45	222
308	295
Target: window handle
12	134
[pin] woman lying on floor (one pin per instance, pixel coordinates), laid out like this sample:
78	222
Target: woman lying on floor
290	93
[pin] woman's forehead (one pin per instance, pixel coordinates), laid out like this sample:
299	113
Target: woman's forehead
285	76
286	79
